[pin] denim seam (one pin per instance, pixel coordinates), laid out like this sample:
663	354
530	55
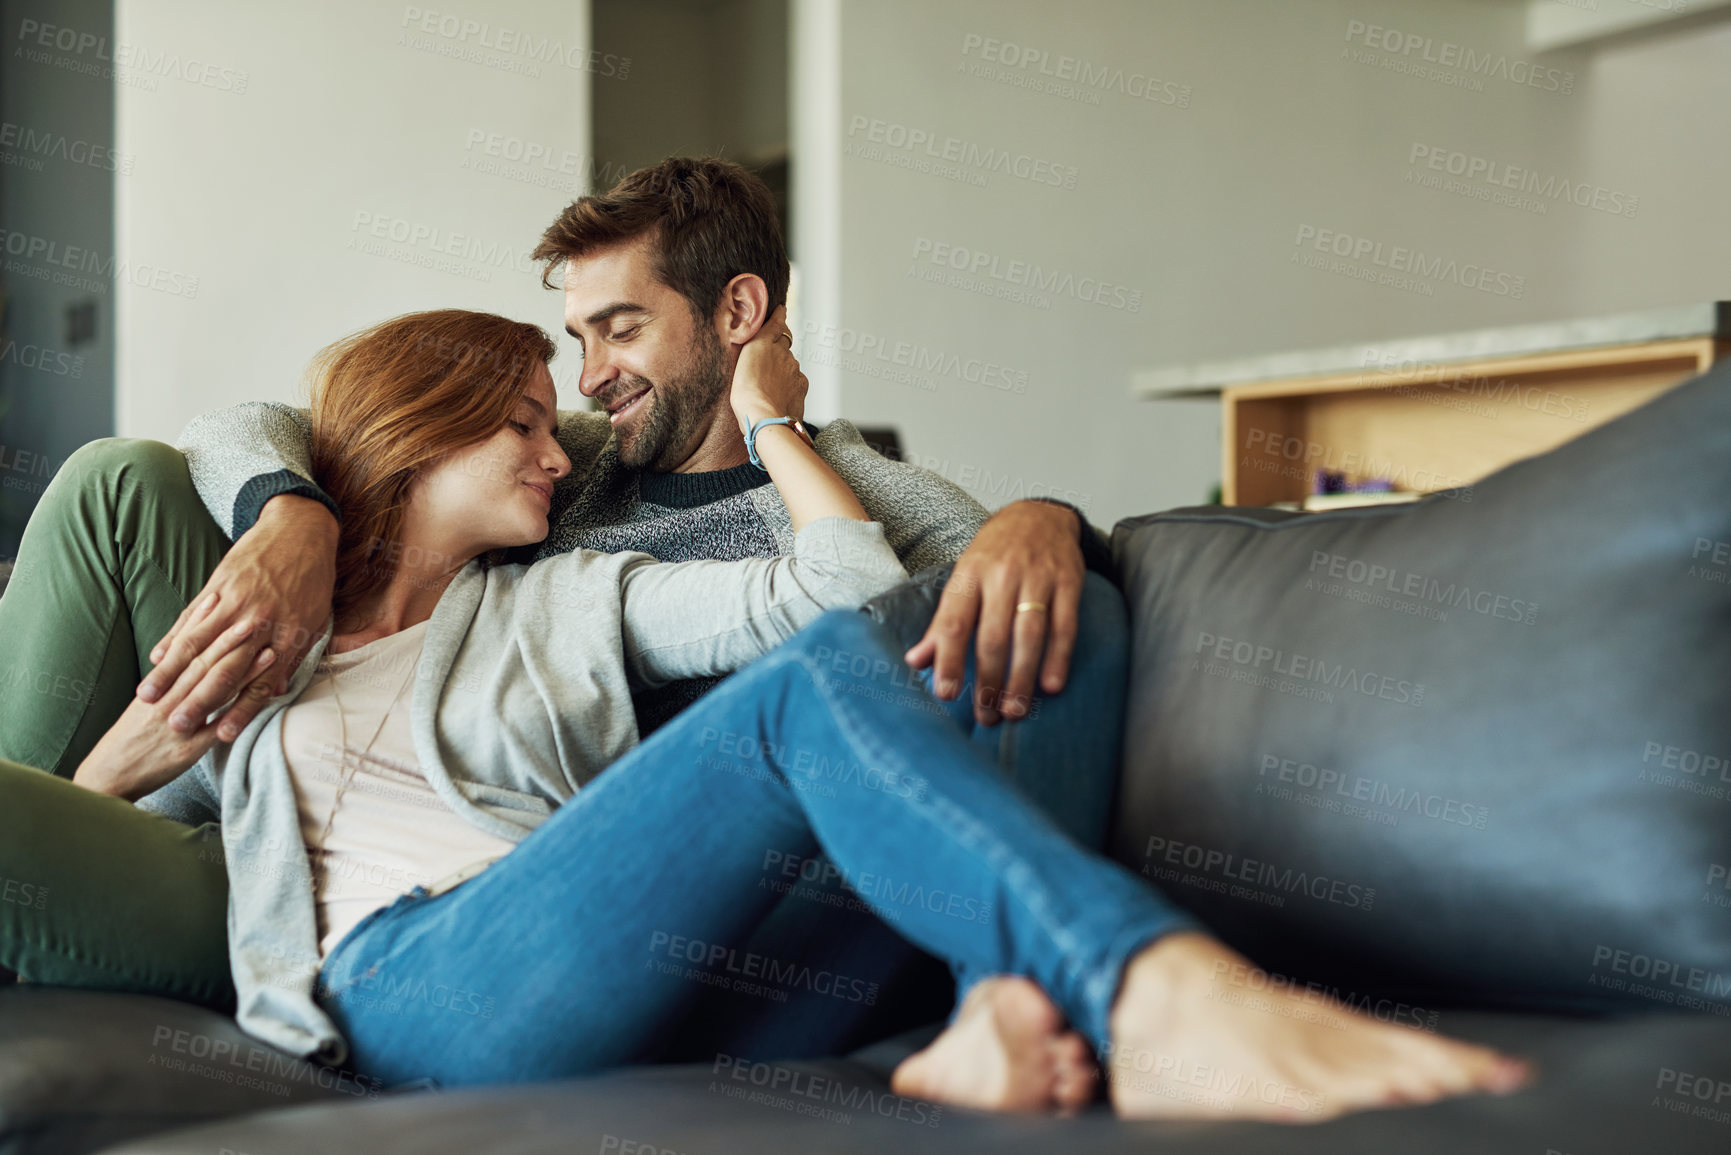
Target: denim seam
376	964
1015	872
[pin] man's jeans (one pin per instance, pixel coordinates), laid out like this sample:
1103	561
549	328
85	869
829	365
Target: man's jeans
586	947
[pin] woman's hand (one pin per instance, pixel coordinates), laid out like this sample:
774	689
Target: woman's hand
767	383
766	379
142	753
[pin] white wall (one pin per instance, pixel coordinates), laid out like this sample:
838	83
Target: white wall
261	179
1272	117
1656	118
814	297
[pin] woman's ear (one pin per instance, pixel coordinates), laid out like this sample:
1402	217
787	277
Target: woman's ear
743	310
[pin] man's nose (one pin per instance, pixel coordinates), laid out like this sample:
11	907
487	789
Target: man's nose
597	372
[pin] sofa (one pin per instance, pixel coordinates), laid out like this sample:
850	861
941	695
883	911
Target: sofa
1464	764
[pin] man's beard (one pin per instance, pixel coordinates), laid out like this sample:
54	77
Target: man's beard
678	409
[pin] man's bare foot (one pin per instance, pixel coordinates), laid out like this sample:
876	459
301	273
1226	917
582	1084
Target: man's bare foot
1191	1040
1007	1050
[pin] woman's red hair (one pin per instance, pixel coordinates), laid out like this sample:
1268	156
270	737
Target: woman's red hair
395	398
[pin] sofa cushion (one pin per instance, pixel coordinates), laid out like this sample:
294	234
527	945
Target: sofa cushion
80	1069
1478	747
1645	1083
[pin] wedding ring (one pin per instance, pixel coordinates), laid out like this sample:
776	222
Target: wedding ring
1024	607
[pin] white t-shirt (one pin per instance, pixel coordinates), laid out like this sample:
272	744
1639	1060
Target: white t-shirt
390	832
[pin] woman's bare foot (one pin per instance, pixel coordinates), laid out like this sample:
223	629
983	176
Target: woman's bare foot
1007	1050
1190	1040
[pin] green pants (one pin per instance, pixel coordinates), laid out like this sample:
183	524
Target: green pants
93	892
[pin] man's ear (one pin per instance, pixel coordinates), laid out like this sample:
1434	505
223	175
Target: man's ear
743	309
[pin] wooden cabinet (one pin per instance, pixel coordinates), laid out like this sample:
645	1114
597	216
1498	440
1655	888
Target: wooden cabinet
1438	413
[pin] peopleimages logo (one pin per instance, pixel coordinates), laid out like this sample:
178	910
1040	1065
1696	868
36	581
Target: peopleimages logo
1265	451
1688	761
92	54
1373	791
433	246
1232	868
1498	176
1394	580
991	267
1273	665
47	259
1071	75
1718	555
1416	49
866	347
1718	892
1664	979
62	147
912	141
718	961
1432	378
536	162
31	895
1411	262
42	359
882	889
1000	488
1698	1096
782	1085
512	42
232	1058
1255	980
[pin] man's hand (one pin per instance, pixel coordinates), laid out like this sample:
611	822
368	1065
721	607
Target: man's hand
1029	552
272	589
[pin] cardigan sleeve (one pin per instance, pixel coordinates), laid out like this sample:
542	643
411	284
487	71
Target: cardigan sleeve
698	618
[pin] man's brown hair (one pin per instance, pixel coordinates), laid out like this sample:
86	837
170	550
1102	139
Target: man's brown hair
711	220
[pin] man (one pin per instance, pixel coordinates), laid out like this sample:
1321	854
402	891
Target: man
664	279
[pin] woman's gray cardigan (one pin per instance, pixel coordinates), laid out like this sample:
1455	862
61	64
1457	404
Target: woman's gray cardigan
523	694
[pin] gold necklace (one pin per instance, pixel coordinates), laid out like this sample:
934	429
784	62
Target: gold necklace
345	770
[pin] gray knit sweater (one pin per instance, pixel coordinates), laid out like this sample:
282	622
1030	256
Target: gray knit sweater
557	647
243	456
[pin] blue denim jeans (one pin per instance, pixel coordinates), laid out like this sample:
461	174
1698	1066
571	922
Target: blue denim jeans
1064	756
587	945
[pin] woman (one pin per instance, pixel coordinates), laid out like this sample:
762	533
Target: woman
431	879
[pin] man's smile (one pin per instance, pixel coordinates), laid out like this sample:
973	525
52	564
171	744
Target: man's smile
625	406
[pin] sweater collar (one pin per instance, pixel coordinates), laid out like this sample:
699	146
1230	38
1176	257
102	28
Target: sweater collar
688	490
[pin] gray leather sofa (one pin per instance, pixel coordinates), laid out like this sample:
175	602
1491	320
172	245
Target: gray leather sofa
1465	764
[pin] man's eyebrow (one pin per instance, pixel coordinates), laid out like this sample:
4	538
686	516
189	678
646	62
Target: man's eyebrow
602	315
610	311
